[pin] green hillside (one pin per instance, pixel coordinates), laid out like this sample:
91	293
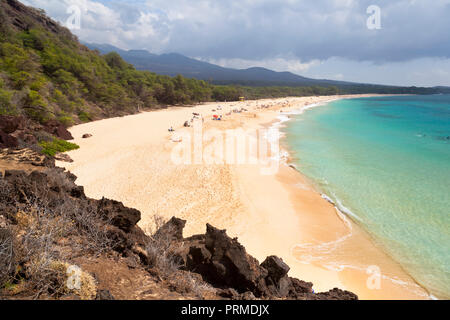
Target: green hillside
45	73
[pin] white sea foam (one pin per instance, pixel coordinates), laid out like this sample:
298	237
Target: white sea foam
346	210
322	249
327	198
274	135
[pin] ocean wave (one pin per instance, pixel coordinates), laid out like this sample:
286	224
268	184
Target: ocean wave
317	254
346	210
410	286
274	134
324	196
324	248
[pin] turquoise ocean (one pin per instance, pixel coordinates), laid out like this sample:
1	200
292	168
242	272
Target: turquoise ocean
386	161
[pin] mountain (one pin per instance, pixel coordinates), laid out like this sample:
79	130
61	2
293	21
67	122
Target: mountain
173	64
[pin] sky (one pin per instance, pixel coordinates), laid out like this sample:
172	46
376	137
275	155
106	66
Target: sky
398	42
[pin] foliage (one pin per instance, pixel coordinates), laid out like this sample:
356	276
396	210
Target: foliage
67	121
5	102
84	116
51	148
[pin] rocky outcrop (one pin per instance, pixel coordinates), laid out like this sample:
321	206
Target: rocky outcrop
23	18
120	216
86	135
14	129
26	156
8	141
18	130
172	230
55	128
335	294
64	157
224	263
104	295
10	124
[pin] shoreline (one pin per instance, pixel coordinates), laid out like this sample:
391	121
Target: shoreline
128	159
347	217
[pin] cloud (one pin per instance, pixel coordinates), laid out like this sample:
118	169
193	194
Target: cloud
277	64
118	23
293	35
310	30
266	29
417	72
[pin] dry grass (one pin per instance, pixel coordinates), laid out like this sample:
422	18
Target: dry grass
160	248
92	229
8	261
74	280
161	252
38	232
38	246
43	239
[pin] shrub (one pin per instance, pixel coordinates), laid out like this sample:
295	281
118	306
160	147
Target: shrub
37	251
41	229
88	225
38	84
5	103
21	79
162	255
43	136
88	287
84	116
33	39
65	80
36	107
71	279
51	148
160	248
66	121
46	272
7	256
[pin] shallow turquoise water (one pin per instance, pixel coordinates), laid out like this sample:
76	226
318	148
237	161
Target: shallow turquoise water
387	159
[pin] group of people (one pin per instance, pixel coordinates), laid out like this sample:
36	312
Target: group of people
216	117
188	123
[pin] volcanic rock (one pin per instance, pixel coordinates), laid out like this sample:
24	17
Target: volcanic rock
57	129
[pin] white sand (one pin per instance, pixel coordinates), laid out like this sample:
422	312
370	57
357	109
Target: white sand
129	159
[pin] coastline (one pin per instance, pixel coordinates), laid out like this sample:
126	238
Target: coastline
396	283
128	159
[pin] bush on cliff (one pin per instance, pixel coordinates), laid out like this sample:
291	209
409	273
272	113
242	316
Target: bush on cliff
51	148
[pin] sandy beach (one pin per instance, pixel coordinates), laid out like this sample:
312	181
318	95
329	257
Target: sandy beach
131	159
